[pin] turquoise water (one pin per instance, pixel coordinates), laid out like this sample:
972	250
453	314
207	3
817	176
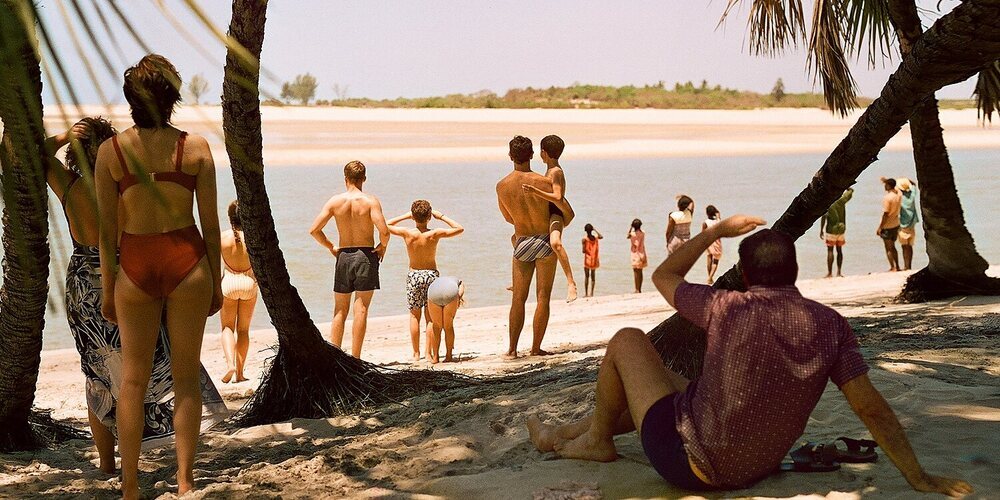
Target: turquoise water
605	193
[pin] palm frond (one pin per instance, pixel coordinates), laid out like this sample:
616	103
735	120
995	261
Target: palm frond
868	25
774	25
988	92
826	60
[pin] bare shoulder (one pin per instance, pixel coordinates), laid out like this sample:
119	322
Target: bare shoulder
556	174
106	158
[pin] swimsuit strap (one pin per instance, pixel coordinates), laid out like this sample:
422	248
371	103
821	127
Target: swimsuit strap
180	151
121	157
66	191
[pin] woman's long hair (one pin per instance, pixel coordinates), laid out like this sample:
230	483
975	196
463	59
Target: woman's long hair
636	225
712	212
100	131
234	220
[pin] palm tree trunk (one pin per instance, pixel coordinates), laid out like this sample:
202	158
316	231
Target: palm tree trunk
955	267
308	377
956	47
25	225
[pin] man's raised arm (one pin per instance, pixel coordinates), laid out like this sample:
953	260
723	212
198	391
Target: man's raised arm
671	272
454	228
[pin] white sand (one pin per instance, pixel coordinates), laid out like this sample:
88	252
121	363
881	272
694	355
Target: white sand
936	364
326	135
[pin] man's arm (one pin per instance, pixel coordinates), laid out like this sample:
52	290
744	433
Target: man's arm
378	219
317	228
454	228
671	272
822	226
881	421
881	223
396	230
598	233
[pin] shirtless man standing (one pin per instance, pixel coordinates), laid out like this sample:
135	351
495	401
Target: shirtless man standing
421	246
532	253
357	216
560	212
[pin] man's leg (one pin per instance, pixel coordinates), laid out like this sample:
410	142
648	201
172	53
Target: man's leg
555	240
631	379
840	261
361	302
546	271
892	254
341	306
521	273
829	261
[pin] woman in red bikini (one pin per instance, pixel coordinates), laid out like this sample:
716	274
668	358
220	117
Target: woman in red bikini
147	179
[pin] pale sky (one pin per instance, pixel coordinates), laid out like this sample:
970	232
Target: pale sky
393	48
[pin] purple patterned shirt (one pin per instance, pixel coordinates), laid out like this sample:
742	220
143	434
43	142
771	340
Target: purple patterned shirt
770	353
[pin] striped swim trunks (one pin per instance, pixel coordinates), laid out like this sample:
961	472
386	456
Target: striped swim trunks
531	248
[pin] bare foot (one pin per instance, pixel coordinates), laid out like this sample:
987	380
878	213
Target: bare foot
840	275
510	355
711	281
510	288
543	436
416	357
184	487
586	447
108	468
129	492
571	293
229	376
540	353
448	358
241	378
828	276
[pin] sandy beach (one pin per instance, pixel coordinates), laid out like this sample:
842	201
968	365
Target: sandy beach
935	363
327	135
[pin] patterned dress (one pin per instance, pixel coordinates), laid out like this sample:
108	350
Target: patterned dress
99	345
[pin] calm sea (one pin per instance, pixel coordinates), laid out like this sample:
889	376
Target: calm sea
605	193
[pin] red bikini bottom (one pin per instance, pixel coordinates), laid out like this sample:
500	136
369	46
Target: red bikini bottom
158	262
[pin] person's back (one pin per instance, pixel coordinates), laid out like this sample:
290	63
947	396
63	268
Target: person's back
353	213
234	254
421	248
529	214
836	216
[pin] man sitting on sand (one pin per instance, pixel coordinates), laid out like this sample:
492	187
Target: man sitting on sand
532	252
357	216
421	246
768	357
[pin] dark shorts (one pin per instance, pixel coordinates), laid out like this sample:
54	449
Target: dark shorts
357	270
665	448
890	234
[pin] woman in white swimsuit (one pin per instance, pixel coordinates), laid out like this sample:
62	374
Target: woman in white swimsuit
239	291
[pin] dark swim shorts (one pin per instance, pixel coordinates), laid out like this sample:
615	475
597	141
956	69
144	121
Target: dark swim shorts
665	448
357	270
890	234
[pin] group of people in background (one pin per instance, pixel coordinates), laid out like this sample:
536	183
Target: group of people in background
898	221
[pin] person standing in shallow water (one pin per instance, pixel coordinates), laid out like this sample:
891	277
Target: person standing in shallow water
151	174
637	250
714	253
239	291
357	215
679	223
832	230
591	258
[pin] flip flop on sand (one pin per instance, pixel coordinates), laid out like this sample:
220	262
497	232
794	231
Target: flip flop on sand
812	457
859	451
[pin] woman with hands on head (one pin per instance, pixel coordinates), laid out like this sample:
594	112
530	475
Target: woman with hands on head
152	173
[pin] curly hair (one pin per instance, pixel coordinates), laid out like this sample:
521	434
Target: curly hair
152	88
100	131
520	149
354	172
553	146
421	210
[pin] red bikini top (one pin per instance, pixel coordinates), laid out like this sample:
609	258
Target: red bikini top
177	176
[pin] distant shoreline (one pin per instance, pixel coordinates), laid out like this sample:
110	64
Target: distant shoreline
320	135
